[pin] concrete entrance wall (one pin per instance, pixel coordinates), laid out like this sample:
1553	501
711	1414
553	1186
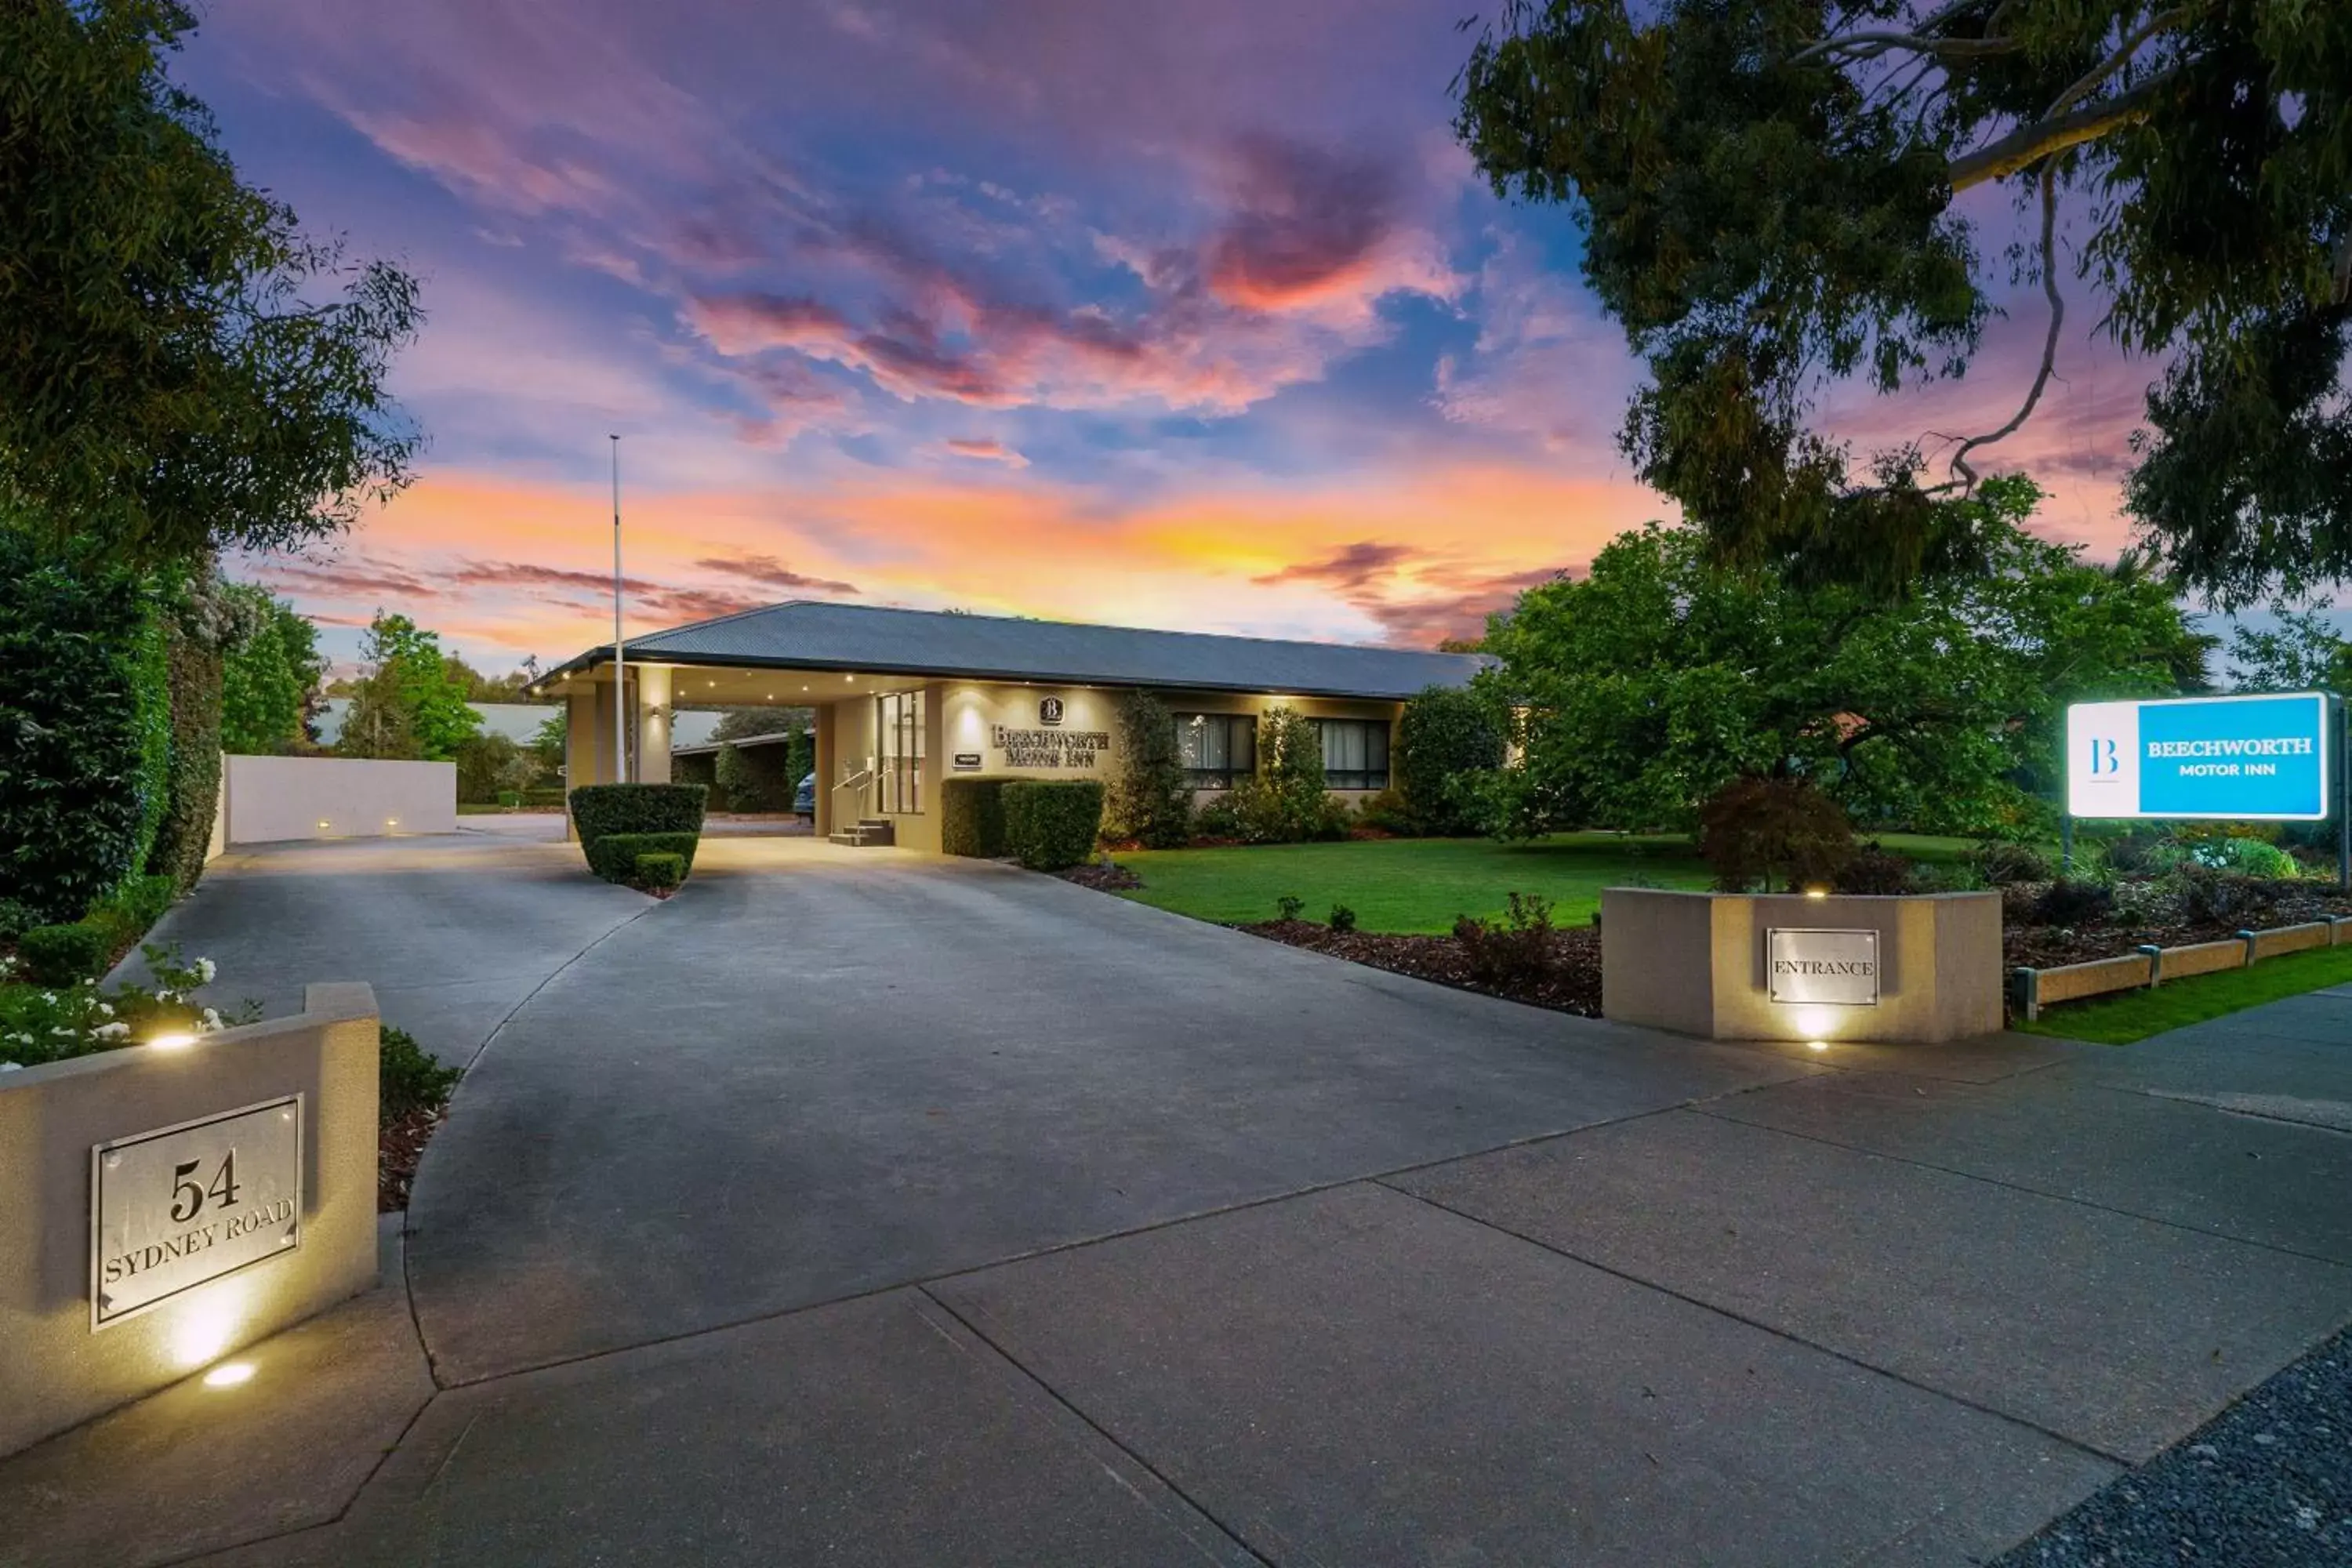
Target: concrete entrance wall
268	800
56	1370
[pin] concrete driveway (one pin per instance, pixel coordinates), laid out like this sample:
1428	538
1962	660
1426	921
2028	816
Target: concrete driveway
852	1207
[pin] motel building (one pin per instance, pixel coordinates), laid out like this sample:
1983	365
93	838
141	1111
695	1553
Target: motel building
907	699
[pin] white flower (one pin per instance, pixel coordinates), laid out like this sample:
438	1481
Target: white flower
50	997
106	1009
211	1020
113	1031
204	970
67	1033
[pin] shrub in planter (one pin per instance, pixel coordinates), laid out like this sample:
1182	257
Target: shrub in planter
1782	833
2073	901
408	1078
1051	825
1343	919
658	872
63	954
971	817
1875	870
614	856
1288	908
601	809
1514	952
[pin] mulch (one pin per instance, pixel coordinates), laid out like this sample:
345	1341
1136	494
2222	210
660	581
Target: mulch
2046	947
398	1148
1573	985
1102	879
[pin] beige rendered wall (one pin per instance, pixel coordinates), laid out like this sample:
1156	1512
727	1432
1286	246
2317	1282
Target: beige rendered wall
54	1370
274	798
1940	965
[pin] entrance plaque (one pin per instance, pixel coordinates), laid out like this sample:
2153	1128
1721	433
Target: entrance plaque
1836	967
175	1207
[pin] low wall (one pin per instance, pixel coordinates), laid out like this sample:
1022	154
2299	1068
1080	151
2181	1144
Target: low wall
1697	964
60	1365
270	799
2031	990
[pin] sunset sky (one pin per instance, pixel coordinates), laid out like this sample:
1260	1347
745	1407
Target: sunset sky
1187	315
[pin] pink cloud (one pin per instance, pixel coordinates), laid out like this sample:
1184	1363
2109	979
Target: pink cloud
986	451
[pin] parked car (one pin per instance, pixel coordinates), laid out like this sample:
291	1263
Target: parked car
804	797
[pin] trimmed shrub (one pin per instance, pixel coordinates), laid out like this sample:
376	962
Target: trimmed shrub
598	810
510	798
1288	908
2073	901
2001	862
1446	734
614	856
1782	833
1386	813
1052	823
658	872
971	817
63	954
491	767
1343	918
408	1076
125	913
1151	797
1875	872
1514	952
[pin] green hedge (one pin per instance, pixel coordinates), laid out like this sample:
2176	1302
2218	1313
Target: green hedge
971	817
601	809
185	832
614	856
659	872
63	954
76	735
1051	824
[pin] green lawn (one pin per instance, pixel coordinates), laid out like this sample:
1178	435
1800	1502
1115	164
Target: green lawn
1419	885
2129	1015
1412	885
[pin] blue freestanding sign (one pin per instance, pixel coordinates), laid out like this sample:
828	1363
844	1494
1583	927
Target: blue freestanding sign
2254	759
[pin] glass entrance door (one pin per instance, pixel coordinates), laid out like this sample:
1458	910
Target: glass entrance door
898	748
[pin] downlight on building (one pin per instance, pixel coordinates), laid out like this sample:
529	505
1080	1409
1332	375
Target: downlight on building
906	699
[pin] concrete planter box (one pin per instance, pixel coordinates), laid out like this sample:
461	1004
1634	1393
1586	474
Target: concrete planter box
58	1368
1696	964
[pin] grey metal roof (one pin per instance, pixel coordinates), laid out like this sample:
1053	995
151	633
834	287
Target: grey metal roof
814	634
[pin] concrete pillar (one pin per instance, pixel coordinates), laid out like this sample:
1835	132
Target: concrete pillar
826	763
587	751
654	713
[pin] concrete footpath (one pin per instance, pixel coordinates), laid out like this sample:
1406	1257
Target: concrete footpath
857	1208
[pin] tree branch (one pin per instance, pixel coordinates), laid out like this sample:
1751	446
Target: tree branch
2121	57
2049	343
1910	43
2029	144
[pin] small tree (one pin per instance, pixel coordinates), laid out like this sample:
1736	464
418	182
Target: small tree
1287	800
489	765
1150	798
1446	737
270	670
409	704
1775	831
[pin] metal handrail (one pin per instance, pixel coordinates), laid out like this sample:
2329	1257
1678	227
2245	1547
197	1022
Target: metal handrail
860	777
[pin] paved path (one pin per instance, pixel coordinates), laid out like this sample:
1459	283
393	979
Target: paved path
851	1207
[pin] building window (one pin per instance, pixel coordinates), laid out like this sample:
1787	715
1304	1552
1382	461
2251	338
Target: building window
1355	753
898	754
1217	748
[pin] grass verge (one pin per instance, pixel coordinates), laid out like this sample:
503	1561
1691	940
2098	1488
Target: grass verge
2120	1019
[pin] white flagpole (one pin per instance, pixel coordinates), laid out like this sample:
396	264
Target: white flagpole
620	661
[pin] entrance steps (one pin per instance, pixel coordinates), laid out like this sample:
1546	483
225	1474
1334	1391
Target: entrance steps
869	832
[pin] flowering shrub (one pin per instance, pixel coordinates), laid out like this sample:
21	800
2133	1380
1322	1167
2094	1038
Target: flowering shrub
49	1023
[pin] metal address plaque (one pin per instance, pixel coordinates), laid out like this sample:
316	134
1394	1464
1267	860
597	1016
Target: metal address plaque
175	1207
1836	967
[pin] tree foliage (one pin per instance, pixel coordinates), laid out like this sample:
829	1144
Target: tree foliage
408	704
1769	192
180	368
1447	738
2301	653
270	671
1657	678
1151	797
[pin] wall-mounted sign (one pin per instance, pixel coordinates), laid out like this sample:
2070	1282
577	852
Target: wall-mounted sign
2239	758
175	1207
1049	711
1836	967
967	762
1049	748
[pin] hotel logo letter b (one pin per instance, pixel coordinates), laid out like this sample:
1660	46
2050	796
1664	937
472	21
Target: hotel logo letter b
1049	711
2103	755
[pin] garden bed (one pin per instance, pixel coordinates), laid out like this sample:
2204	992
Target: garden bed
2048	946
400	1145
1572	985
